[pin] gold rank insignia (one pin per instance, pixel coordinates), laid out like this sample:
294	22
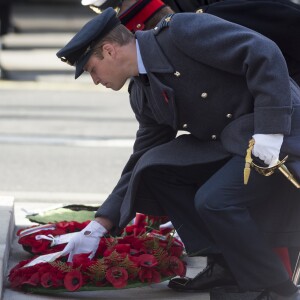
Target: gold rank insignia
163	24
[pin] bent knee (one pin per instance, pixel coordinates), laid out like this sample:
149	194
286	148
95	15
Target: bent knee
209	201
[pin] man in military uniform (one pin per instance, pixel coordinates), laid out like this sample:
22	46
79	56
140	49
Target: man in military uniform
264	16
223	84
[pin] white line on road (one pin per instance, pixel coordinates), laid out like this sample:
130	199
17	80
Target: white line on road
54	197
67	141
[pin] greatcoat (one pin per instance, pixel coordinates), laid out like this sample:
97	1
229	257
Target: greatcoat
219	83
279	20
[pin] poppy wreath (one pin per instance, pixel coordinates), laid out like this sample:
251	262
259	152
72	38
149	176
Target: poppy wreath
52	237
40	239
139	256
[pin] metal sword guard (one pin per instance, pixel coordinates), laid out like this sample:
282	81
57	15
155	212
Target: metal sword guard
267	171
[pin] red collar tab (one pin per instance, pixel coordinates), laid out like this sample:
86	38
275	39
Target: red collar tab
138	14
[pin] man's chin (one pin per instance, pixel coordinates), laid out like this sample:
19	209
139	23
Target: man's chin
116	87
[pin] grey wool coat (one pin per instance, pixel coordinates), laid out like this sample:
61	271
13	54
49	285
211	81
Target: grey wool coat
220	83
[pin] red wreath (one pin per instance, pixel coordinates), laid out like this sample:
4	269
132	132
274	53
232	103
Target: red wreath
139	256
30	241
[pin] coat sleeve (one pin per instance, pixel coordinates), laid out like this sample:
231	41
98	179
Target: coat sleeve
149	135
232	48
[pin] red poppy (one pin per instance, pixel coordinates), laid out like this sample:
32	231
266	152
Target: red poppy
122	248
47	280
165	231
108	252
101	248
139	220
139	231
42	246
16	281
135	230
117	276
175	251
134	252
122	260
177	266
73	280
33	280
147	261
19	266
58	278
136	243
81	259
129	229
149	275
44	268
155	221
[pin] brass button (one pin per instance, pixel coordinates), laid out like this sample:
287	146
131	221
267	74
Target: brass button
184	126
199	11
204	95
138	26
229	116
177	73
213	137
168	19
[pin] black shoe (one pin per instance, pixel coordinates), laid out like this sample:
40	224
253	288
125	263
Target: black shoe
213	275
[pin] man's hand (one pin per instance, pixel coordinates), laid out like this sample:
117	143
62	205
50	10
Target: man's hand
267	147
85	241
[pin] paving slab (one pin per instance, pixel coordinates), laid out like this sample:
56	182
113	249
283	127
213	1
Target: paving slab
35	40
43	28
50	16
6	234
34	59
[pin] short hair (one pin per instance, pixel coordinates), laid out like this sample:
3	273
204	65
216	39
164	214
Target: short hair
119	35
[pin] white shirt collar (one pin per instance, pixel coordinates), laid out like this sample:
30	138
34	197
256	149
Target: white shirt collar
141	67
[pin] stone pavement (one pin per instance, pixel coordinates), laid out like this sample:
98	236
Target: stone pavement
6	234
30	128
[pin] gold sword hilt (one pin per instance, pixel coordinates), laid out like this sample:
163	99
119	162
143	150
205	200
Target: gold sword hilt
267	171
248	161
285	171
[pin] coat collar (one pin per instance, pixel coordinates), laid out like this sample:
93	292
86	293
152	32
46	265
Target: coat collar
162	96
153	58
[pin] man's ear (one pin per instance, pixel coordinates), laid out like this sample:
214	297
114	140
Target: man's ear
109	50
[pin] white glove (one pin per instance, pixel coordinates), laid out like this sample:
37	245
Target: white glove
85	241
170	225
267	147
92	2
166	225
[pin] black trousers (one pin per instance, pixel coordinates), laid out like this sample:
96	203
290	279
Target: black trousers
209	206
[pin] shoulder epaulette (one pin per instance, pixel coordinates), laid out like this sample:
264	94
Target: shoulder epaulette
164	23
